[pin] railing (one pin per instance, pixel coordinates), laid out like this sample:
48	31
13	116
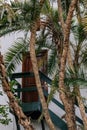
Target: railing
46	79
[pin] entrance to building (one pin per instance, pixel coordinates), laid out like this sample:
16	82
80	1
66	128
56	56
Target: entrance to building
32	96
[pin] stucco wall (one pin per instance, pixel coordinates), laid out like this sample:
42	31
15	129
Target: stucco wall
5	43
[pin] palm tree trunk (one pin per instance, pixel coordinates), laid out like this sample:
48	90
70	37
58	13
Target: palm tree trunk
70	61
69	109
77	90
36	72
67	100
78	94
37	78
81	107
23	120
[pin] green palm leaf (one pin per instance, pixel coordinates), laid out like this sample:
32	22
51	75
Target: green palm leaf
14	55
25	14
52	62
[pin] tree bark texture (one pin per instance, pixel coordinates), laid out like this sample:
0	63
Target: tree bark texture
23	120
81	107
34	28
37	78
67	100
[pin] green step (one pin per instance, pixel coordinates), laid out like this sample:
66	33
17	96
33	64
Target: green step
36	106
33	106
29	106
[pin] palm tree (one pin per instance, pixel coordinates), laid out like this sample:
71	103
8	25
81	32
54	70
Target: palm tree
12	101
56	39
35	19
78	65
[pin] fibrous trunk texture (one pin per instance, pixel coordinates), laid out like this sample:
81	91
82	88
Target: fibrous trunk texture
34	28
81	107
67	100
23	120
37	78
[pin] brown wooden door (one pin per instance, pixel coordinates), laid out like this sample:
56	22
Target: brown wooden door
30	81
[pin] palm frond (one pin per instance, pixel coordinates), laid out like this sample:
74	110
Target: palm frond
14	55
54	87
78	77
79	34
84	57
46	7
81	82
84	2
7	30
52	62
84	21
51	94
25	14
44	42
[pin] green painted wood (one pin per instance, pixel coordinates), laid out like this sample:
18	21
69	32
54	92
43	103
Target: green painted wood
48	80
29	74
26	89
21	75
58	121
33	106
62	107
43	77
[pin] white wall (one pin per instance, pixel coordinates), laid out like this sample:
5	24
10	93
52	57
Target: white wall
7	40
5	43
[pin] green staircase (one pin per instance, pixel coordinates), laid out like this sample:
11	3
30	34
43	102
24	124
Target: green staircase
36	106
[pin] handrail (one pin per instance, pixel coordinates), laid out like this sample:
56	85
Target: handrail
26	89
30	74
44	78
21	75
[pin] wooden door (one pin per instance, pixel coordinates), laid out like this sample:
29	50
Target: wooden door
30	81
